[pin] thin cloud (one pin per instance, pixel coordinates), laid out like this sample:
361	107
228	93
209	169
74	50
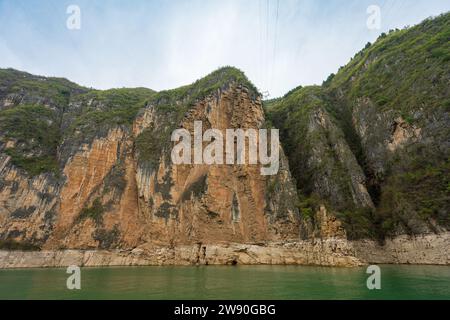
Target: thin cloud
165	44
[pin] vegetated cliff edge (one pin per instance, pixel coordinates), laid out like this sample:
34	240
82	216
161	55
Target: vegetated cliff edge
372	144
95	173
86	176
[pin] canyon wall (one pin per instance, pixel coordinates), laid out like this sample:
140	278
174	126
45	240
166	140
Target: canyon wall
86	175
115	187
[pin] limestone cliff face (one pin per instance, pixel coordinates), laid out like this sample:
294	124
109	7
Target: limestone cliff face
213	203
371	144
338	178
116	187
331	180
368	152
28	207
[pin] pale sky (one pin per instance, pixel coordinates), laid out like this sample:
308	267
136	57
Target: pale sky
166	44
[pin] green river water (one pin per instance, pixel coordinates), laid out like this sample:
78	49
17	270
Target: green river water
226	282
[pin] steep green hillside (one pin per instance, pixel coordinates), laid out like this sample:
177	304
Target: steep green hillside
30	116
390	107
372	143
35	133
92	114
403	70
21	88
38	115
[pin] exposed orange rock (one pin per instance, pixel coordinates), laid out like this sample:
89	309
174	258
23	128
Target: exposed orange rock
111	199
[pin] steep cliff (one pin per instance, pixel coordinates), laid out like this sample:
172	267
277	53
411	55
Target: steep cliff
92	169
368	152
372	144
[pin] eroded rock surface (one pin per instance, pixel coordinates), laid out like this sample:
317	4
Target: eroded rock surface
86	175
117	188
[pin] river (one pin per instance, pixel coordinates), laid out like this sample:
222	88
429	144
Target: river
227	282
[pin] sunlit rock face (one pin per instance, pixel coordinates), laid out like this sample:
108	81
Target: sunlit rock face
363	166
113	184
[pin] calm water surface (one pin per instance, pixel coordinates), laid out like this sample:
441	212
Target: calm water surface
225	282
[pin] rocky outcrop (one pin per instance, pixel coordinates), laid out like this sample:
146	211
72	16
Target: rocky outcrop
87	175
332	252
211	203
426	249
117	188
372	143
28	207
337	176
421	249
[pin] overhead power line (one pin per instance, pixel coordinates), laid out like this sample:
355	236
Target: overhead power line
275	43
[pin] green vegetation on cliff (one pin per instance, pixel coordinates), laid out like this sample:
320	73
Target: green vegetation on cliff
371	143
60	111
34	130
12	245
403	70
94	212
31	119
172	105
111	107
99	111
188	95
29	88
390	107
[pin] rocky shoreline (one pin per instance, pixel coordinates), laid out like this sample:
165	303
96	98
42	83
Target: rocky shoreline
431	249
332	252
426	249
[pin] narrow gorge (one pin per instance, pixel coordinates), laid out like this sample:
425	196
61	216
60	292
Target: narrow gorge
86	176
